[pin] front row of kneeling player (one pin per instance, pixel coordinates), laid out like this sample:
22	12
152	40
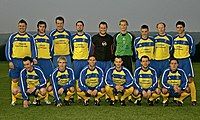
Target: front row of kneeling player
117	82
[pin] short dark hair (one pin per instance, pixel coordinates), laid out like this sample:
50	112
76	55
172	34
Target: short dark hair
22	21
59	18
41	22
160	23
91	56
145	27
80	22
118	57
173	58
144	56
180	23
103	23
27	58
123	20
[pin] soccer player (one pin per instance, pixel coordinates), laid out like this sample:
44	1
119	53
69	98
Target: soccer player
146	83
174	84
91	83
81	48
144	45
184	48
118	80
103	47
44	44
123	45
61	42
19	45
32	82
63	82
163	47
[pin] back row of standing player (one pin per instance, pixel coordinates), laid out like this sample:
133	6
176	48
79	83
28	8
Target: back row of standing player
42	48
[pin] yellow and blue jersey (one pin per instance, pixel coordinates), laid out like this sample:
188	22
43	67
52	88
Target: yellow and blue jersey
183	46
122	77
61	42
64	79
145	79
44	45
31	79
163	46
81	46
144	47
91	79
178	77
19	46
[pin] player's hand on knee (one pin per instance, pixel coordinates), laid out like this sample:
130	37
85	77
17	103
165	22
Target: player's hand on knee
144	94
11	65
135	92
94	92
158	91
60	91
89	92
26	104
187	90
164	91
149	93
72	89
31	90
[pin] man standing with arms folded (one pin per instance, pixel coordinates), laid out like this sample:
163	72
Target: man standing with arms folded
19	45
61	42
183	49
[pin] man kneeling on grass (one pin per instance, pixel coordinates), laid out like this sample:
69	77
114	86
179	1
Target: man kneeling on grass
174	84
145	82
91	82
32	82
63	81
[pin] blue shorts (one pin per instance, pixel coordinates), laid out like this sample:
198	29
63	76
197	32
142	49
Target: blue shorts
68	57
18	66
186	65
46	66
104	65
138	63
160	66
78	66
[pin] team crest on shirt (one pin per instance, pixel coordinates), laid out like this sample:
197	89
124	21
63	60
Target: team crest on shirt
84	40
177	77
140	45
104	43
140	75
15	39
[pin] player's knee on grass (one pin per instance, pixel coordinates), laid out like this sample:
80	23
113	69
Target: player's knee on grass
164	91
43	91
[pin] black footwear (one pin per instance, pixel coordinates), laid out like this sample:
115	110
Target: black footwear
97	103
131	101
138	102
166	103
157	100
122	103
107	100
79	100
66	102
86	103
112	103
150	103
71	100
178	103
38	103
194	103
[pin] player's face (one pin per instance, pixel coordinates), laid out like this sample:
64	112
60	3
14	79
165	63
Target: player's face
161	29
61	65
123	26
92	61
173	65
118	62
79	27
145	62
41	28
22	27
28	65
180	29
102	29
59	25
144	32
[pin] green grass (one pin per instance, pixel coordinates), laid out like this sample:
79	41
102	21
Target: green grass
78	111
